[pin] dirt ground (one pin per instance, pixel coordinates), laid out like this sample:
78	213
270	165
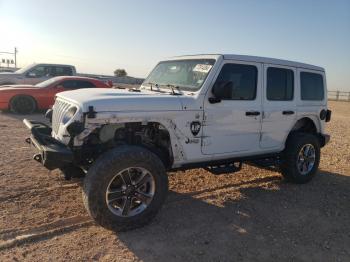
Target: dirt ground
252	215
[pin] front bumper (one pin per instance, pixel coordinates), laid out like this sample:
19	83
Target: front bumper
51	153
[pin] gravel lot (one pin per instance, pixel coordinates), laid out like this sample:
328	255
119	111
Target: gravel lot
252	215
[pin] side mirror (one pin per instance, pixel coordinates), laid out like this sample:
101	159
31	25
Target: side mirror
221	90
59	87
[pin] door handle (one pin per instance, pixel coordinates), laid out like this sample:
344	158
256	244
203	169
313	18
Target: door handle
252	113
287	112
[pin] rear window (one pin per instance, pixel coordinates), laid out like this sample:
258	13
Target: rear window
312	87
280	84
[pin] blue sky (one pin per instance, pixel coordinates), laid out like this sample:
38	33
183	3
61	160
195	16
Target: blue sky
100	36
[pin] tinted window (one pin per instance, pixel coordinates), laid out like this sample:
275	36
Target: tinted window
241	78
311	86
75	84
85	84
63	71
69	84
40	71
280	84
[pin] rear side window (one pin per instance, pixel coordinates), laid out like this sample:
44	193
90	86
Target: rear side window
243	78
312	87
63	71
280	84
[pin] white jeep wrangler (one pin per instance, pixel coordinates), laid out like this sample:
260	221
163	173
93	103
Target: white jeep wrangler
209	111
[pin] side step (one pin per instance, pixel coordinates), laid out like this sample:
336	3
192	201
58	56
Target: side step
224	169
272	164
267	162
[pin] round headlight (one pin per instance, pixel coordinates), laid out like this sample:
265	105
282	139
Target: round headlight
69	114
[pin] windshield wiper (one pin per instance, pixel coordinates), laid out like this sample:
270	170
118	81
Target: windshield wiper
173	87
153	84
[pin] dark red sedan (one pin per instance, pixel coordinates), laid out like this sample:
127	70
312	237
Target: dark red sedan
25	99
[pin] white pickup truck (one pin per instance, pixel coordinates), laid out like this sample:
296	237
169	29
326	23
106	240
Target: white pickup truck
36	73
209	111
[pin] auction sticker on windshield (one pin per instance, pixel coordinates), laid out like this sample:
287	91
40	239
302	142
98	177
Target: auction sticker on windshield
203	68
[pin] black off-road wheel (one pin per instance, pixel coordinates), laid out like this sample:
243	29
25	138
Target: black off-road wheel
301	158
125	188
22	104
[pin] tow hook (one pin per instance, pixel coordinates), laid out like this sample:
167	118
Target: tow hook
37	157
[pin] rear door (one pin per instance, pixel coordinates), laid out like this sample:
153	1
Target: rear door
232	126
279	105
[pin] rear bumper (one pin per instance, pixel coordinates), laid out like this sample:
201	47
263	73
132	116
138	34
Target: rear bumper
51	153
324	139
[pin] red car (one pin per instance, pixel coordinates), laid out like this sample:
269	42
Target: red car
25	99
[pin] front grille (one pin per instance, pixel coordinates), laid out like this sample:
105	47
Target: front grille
59	109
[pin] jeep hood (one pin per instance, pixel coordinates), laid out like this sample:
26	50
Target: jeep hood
113	100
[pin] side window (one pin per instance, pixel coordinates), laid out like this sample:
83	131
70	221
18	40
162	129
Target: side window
237	82
39	71
51	71
311	86
280	84
85	84
76	84
63	71
69	84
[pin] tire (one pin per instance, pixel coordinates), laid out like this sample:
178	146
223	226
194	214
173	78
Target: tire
298	168
111	166
72	171
22	104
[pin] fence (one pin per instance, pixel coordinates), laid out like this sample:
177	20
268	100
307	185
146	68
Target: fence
339	96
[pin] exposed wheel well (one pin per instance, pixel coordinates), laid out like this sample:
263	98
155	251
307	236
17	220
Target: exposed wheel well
151	135
305	125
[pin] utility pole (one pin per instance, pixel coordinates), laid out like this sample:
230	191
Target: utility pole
16	56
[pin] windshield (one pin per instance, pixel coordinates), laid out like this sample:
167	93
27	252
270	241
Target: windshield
187	75
46	83
24	69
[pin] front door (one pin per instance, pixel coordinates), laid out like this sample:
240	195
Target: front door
232	126
37	74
